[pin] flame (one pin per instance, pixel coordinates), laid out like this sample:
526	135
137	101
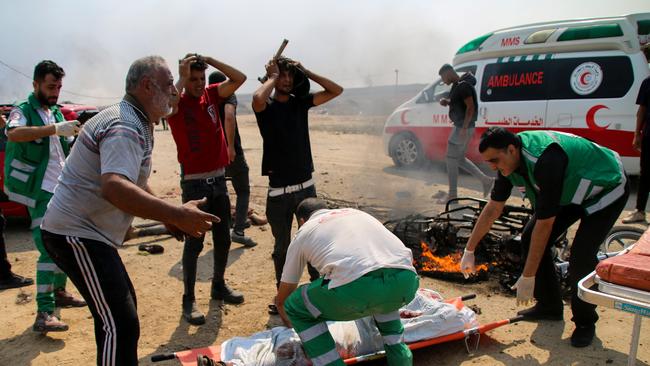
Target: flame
448	263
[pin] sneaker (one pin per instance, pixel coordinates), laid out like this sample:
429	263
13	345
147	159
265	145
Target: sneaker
191	313
64	299
239	237
537	312
583	335
15	281
46	322
221	291
635	217
256	219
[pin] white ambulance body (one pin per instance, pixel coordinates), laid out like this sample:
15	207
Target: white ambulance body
577	76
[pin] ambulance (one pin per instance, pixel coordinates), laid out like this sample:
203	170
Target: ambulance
578	76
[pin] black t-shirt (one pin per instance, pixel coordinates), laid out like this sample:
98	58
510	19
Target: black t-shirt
222	116
644	99
284	127
549	176
459	91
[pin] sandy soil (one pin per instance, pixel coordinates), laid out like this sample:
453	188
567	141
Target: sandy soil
350	165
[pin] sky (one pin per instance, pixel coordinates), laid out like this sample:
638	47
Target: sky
354	42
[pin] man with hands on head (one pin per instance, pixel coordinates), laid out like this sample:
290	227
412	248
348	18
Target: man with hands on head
567	179
287	160
203	156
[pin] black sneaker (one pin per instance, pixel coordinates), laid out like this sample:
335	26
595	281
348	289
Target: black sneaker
15	281
537	312
239	237
207	361
583	335
191	313
221	291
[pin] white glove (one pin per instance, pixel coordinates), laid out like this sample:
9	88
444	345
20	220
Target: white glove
67	128
467	265
525	287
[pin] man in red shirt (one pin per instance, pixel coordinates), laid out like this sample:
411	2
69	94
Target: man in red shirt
203	155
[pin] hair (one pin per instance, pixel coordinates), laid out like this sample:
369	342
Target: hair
308	206
498	138
216	77
199	64
285	64
47	67
444	68
141	68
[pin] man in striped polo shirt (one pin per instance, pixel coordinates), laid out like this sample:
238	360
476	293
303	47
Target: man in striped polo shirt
103	185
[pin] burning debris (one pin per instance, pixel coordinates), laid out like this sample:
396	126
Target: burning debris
437	242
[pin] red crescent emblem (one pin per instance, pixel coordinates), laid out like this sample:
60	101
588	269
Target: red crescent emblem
583	77
403	117
591	121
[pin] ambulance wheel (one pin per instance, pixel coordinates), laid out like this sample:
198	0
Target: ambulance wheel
406	151
620	237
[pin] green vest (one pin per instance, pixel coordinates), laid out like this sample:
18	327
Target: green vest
594	175
26	162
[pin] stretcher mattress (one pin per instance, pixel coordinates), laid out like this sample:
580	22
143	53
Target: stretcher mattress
631	269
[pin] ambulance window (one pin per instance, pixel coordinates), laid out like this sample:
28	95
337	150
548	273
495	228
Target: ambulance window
539	36
433	93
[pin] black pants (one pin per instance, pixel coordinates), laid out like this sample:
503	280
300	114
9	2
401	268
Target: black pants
238	172
219	205
280	211
5	265
644	178
590	234
97	271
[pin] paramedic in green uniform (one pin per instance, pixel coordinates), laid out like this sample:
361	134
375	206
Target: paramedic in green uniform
365	271
37	146
567	179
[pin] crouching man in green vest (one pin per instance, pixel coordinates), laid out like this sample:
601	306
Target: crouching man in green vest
37	146
566	178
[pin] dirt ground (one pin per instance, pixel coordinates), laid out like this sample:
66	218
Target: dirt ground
350	165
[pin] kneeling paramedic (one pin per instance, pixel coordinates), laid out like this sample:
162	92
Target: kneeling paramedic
365	271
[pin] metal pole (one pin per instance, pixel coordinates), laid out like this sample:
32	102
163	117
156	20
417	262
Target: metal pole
636	332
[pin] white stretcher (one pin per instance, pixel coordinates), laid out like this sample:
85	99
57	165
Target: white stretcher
621	298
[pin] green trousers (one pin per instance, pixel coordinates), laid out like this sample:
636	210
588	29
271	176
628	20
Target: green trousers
48	276
379	294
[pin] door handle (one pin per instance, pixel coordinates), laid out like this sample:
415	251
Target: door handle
483	112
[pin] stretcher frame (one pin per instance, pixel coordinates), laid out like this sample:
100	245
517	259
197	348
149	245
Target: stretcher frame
617	297
471	336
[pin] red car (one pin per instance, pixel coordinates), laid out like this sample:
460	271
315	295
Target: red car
82	113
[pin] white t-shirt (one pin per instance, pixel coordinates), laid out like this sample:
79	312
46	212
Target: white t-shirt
57	157
344	245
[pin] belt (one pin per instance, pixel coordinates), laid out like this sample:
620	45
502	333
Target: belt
274	192
209	180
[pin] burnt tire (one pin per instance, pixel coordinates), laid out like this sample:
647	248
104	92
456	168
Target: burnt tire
406	151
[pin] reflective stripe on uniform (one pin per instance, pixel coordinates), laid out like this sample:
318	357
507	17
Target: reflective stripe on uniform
36	223
313	332
46	267
393	339
310	307
44	288
326	358
385	318
581	191
16	174
22	166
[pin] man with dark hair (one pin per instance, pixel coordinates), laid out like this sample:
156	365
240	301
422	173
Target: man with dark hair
38	143
102	187
284	125
237	170
641	142
203	156
567	179
366	271
8	279
463	111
